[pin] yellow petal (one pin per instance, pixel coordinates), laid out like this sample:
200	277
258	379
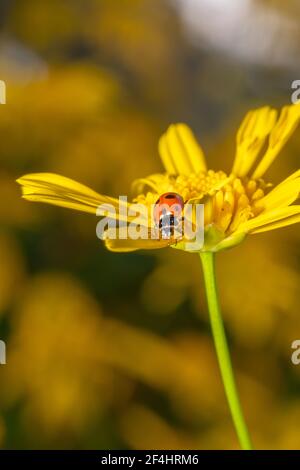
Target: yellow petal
294	175
242	213
270	217
166	156
293	219
57	201
282	195
251	137
127	245
218	204
284	127
154	182
58	190
180	151
192	148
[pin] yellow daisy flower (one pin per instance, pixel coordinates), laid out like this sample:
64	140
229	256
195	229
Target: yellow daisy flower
235	205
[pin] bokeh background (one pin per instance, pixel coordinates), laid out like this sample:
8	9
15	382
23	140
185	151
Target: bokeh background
109	351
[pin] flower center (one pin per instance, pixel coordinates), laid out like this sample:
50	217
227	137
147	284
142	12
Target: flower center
233	204
228	201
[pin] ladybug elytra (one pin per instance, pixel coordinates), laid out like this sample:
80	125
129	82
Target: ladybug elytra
168	212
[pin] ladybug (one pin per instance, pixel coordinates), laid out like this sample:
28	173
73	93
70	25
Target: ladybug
168	212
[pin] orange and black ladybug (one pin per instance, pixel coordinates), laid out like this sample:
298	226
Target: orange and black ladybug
168	213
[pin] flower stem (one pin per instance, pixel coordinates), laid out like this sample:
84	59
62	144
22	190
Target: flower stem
222	350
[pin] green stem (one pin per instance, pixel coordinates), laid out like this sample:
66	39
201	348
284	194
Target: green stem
222	350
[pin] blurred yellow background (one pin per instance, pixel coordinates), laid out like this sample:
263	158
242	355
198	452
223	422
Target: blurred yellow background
114	350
